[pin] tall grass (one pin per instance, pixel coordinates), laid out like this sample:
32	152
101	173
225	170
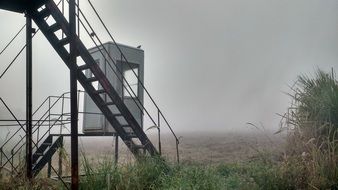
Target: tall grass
312	156
310	161
316	100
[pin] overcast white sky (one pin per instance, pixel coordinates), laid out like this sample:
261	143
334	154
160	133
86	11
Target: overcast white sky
210	65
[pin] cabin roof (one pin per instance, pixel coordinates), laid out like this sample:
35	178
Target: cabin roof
20	6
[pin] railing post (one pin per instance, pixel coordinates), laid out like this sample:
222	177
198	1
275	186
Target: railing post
177	153
159	131
60	159
62	108
12	155
1	156
49	116
1	166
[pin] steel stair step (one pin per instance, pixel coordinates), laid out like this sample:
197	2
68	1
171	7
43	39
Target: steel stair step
63	41
47	144
44	13
100	91
91	79
132	135
109	103
139	146
54	27
83	67
39	154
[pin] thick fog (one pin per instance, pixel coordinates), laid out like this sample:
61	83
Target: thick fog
211	65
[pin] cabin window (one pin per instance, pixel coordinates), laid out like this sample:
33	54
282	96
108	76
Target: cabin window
132	80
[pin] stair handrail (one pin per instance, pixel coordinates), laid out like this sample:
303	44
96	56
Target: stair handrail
160	113
13	152
36	125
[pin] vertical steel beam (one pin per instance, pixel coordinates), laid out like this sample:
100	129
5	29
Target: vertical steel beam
29	160
73	97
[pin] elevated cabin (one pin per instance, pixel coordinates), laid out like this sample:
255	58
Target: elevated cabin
94	123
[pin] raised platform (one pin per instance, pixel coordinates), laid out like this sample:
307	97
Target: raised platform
21	6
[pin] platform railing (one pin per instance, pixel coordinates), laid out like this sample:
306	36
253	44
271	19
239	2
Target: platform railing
45	120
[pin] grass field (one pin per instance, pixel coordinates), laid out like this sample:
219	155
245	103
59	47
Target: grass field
304	157
207	161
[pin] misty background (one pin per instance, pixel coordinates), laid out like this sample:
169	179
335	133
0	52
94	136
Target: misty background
210	65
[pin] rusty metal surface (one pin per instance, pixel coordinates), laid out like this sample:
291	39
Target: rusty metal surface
73	97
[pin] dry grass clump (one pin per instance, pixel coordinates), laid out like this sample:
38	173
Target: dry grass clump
311	158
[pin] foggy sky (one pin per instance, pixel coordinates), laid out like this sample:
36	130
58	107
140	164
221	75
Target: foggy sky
210	65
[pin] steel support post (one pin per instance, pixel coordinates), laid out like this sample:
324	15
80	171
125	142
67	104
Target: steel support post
29	160
73	97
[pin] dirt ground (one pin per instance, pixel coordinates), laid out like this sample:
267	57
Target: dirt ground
204	148
224	147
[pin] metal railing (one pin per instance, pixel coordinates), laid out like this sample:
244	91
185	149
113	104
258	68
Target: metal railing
44	120
109	60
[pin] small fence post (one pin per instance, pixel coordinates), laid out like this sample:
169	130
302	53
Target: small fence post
1	157
60	159
177	153
12	154
48	117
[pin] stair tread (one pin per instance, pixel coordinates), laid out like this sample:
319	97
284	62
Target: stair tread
54	27
38	153
63	41
91	79
100	91
139	146
132	135
109	103
44	13
83	67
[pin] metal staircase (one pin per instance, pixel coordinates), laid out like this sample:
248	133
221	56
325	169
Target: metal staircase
107	99
136	142
45	151
45	144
